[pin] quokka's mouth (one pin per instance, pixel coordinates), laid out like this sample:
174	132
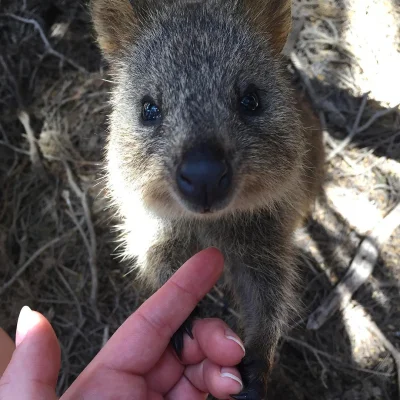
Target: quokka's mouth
213	211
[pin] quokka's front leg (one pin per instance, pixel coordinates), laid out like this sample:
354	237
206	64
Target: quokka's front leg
265	295
161	261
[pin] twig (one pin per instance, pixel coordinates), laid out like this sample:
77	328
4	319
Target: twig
376	116
359	271
77	332
353	131
25	266
72	293
293	37
14	148
91	244
106	335
331	357
11	77
34	153
45	41
317	352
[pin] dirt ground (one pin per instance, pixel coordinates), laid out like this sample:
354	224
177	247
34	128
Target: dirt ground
57	249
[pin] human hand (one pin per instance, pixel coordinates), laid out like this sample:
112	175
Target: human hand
137	362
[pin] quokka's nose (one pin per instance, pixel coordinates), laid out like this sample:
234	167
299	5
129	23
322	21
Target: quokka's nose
204	176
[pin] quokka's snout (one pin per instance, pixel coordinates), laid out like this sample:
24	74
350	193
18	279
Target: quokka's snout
204	178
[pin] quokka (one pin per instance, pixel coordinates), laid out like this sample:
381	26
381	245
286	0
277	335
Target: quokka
209	145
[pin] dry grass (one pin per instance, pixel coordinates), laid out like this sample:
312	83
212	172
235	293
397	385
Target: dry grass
56	237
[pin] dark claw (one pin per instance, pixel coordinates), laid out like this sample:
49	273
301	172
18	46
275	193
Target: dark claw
177	338
240	396
188	330
177	343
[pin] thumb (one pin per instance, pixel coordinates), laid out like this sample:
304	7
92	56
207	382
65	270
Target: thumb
33	370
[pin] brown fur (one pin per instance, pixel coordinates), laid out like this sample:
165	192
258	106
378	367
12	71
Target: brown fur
109	16
315	153
168	50
273	18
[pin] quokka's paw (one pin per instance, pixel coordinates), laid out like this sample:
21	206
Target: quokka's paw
177	339
253	373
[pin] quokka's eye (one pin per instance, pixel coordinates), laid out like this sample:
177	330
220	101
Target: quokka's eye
150	112
250	102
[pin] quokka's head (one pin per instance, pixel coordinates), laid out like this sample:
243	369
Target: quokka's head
203	122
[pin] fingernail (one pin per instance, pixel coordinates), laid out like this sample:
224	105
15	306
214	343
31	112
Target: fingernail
26	321
232	336
226	374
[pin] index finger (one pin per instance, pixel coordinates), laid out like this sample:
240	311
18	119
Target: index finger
139	342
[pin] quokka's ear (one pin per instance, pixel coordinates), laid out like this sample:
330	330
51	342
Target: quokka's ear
116	23
273	18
